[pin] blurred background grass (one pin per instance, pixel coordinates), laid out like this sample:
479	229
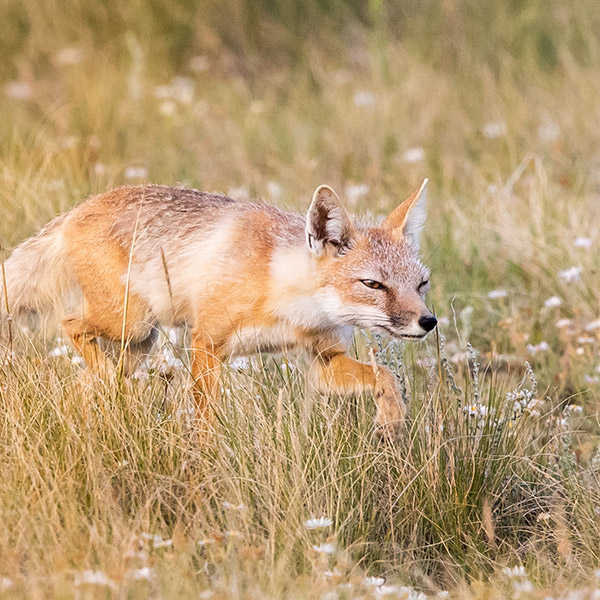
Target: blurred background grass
495	102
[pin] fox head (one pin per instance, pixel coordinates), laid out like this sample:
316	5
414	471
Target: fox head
372	276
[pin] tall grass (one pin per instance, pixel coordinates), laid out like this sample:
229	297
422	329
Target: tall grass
496	104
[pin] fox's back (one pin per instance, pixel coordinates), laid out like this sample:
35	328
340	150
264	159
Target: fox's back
179	248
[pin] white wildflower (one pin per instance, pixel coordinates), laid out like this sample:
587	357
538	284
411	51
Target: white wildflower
318	523
541	347
274	189
229	506
582	242
562	323
62	350
19	90
413	155
585	340
386	590
571	275
575	409
495	294
593	325
143	574
373	581
136	173
167	108
364	98
325	548
241	363
5	583
494	129
355	192
548	132
553	302
238	193
90	577
476	410
514	572
68	56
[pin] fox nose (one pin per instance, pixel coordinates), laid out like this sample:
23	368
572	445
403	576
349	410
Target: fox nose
427	322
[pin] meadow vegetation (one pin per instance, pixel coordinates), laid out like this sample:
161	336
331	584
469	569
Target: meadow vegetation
493	489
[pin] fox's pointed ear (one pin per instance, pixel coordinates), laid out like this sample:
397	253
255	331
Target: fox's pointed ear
408	219
328	225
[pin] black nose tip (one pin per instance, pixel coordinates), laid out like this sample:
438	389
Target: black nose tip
428	322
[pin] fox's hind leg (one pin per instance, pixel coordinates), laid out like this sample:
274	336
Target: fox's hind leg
101	320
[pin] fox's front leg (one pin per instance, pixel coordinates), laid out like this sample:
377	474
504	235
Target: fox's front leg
206	372
344	375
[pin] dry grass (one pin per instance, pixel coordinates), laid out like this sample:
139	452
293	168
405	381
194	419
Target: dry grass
497	105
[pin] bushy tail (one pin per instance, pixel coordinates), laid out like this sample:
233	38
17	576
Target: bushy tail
38	277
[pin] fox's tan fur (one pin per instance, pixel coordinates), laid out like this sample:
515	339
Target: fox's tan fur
245	277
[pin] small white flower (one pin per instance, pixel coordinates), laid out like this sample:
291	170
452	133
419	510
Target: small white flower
5	583
238	193
571	275
229	506
593	325
318	523
386	590
59	351
326	548
19	90
514	572
585	340
576	409
136	173
562	323
355	192
68	56
364	98
241	363
90	577
548	132
143	574
413	155
274	189
476	410
373	581
541	347
499	293
494	129
167	108
582	242
553	302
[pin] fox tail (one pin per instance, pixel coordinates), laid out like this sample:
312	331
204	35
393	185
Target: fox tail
36	279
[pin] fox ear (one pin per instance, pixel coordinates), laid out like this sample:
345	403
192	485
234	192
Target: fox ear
408	219
328	225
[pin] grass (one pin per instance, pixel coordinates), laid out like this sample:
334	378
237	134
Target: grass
497	106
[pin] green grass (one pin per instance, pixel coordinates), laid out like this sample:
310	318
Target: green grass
497	105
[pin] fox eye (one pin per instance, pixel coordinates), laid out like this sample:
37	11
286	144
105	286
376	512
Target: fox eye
424	285
374	285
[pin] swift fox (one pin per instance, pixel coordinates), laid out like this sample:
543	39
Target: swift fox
245	277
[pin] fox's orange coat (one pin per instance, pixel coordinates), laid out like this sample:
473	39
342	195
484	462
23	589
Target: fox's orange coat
246	277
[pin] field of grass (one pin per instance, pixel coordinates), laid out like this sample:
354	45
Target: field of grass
494	489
